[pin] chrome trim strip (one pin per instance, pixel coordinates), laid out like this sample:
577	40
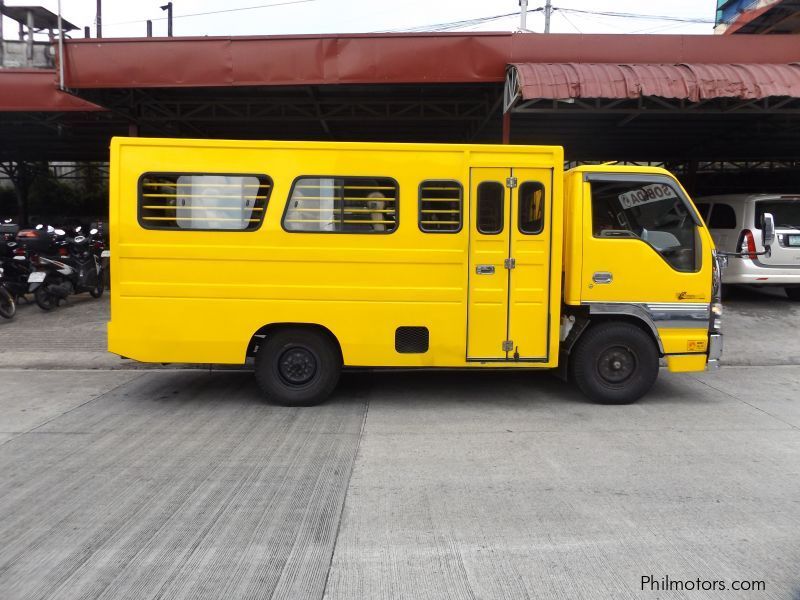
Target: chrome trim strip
621	308
714	347
661	315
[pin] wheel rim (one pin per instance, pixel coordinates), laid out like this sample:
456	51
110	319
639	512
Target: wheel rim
616	364
297	365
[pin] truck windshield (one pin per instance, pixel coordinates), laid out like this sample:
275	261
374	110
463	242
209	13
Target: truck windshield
786	212
652	212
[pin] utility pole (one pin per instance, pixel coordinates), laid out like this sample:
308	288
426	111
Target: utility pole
168	7
523	15
99	18
60	49
548	9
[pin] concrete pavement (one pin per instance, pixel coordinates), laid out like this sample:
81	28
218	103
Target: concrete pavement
174	483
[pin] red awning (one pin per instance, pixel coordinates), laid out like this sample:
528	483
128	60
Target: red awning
694	82
36	90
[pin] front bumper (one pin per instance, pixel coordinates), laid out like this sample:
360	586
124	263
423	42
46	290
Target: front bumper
714	351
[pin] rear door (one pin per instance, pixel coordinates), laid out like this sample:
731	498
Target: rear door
786	249
509	276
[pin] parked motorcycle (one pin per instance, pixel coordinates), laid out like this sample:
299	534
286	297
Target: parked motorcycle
68	265
13	282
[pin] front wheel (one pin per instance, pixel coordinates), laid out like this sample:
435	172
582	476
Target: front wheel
615	363
8	307
793	293
44	299
99	288
297	367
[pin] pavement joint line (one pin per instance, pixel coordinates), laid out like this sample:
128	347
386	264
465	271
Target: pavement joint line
66	412
769	414
344	500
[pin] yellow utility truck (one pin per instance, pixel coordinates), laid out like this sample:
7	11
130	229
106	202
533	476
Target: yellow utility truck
310	257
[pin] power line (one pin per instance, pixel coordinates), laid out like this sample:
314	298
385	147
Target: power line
619	15
623	15
465	23
215	12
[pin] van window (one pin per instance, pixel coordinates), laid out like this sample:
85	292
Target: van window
651	212
703	208
206	202
440	206
722	217
342	205
786	212
491	197
531	207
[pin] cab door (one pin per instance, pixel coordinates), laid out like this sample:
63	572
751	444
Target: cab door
509	264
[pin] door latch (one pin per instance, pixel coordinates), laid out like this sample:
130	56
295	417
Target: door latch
508	345
602	277
510	263
511	182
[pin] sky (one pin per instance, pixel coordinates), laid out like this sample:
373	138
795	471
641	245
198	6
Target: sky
126	18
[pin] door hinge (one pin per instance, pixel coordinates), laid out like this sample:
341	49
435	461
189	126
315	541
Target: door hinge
508	345
510	263
511	182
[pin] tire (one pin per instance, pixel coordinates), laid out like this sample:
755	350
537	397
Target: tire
44	300
793	293
615	363
297	367
97	290
8	307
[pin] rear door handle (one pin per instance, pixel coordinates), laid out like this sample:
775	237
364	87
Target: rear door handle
485	269
602	277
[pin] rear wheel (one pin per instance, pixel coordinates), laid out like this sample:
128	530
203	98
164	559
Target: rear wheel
44	299
615	363
793	293
8	307
297	367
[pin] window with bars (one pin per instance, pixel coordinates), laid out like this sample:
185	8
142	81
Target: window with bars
440	206
207	202
531	207
342	205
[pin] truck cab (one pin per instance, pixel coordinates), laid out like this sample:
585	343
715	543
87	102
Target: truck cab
641	281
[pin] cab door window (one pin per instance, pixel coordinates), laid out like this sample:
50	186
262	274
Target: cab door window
651	211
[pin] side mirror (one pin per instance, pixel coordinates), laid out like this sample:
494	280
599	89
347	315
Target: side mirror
767	230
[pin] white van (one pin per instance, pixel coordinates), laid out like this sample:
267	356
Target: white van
735	223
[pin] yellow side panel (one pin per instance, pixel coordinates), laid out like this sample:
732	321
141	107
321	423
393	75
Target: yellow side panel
683	341
198	297
685	363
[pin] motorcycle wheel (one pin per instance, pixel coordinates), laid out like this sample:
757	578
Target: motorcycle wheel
8	307
44	299
99	288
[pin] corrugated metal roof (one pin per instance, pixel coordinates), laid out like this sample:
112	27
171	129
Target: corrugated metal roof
693	82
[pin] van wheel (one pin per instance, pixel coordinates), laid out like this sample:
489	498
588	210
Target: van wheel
793	293
297	367
615	363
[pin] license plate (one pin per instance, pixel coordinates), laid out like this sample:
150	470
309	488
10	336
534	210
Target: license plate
37	277
105	254
794	240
